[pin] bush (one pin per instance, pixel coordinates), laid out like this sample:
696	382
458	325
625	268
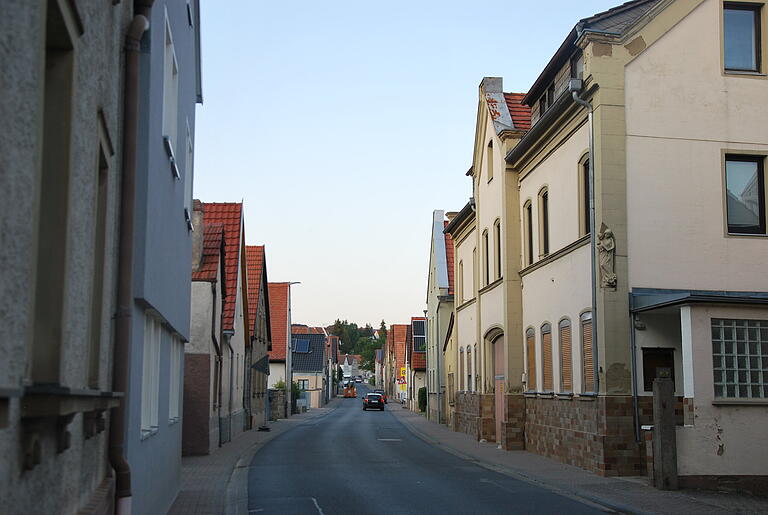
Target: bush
423	399
280	385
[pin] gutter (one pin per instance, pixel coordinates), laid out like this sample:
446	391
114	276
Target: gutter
123	319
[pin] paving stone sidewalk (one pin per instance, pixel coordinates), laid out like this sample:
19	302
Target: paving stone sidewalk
217	483
625	495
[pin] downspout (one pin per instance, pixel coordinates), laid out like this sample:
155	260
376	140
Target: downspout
123	319
228	335
218	358
633	349
574	86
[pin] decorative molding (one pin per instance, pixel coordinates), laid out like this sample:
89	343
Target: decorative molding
582	241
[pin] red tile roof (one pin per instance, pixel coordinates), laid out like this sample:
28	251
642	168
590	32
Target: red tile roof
521	113
212	253
399	338
230	215
304	329
419	361
254	262
449	252
278	316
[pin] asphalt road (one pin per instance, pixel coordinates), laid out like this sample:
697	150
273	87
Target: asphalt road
352	461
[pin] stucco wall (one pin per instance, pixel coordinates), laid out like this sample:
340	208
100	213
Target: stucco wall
681	113
559	289
660	330
723	440
276	373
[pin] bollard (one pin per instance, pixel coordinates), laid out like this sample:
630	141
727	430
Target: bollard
664	438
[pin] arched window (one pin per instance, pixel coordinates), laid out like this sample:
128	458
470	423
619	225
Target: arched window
546	357
587	354
486	260
530	350
469	369
461	369
489	160
497	248
584	225
566	360
544	222
461	281
528	230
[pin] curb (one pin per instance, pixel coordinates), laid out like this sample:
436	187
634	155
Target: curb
236	497
591	500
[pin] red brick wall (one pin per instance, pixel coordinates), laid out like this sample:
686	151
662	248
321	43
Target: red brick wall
597	435
197	404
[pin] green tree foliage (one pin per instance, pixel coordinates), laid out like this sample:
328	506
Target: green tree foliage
359	340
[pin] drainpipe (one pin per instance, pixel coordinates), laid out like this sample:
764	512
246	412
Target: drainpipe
121	357
633	349
228	335
574	86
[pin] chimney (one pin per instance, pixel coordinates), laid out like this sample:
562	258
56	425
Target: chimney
197	236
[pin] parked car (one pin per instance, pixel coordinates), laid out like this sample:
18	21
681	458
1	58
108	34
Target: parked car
373	401
358	379
382	393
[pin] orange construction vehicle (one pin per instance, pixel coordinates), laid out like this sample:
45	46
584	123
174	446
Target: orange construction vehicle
350	391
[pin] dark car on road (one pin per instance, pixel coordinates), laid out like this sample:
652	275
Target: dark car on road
382	393
373	401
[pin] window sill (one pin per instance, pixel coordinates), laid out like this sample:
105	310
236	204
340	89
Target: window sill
147	433
587	396
740	402
745	235
546	395
744	73
174	420
565	396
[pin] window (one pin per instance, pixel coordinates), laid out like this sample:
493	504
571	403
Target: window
653	360
474	270
50	287
497	249
587	354
489	160
740	358
150	377
566	362
577	66
486	272
741	45
174	398
745	194
585	194
170	92
546	356
528	232
303	384
419	335
547	99
530	349
461	369
544	223
469	369
188	169
97	271
461	281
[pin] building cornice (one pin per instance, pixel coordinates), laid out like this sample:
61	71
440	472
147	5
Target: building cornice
584	240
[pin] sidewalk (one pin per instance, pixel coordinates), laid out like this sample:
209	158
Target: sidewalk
218	483
626	495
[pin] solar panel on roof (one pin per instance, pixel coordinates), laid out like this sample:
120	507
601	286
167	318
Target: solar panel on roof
301	346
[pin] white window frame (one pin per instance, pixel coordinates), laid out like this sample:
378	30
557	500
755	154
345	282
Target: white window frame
170	97
150	385
174	395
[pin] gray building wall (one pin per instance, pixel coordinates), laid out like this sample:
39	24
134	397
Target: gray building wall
65	479
162	252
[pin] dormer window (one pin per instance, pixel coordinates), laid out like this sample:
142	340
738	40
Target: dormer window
547	99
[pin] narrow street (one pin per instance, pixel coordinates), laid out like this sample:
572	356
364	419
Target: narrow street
355	461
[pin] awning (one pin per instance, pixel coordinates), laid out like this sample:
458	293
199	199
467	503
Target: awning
646	299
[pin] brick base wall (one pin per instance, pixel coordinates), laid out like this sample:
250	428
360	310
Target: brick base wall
474	415
513	428
195	438
597	434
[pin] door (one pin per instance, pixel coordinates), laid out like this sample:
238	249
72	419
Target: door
498	365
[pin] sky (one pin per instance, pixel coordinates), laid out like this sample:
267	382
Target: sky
342	125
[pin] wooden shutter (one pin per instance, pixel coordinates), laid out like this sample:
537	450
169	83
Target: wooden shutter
546	352
589	361
530	343
566	365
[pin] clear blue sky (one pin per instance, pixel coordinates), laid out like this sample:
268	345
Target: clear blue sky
343	124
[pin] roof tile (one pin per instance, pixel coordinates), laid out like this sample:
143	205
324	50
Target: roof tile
254	263
230	216
279	298
521	113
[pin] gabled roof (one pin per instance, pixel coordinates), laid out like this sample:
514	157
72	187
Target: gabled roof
304	329
419	360
230	216
614	21
257	271
520	113
399	338
213	253
313	360
279	299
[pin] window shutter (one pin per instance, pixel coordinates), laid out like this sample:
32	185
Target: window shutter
530	343
589	362
566	370
546	342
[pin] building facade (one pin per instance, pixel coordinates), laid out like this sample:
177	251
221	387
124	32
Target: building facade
256	370
280	370
62	151
169	78
439	308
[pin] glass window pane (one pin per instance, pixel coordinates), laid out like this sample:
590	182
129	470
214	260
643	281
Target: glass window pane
744	198
740	51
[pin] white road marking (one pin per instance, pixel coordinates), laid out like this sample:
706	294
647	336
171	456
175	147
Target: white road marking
317	506
390	439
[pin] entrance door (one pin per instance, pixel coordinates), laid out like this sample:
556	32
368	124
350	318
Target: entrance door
498	360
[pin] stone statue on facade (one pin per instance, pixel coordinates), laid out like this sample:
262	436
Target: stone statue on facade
606	246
